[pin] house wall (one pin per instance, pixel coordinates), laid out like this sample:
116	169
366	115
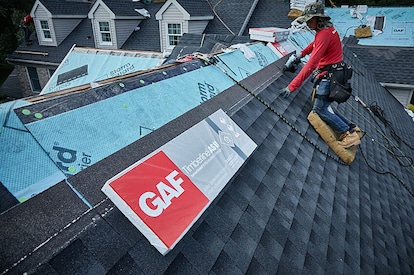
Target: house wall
171	15
101	14
23	80
41	14
23	77
197	27
403	95
63	27
124	28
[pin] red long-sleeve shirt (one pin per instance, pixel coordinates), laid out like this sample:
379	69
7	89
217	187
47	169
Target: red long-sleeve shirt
325	49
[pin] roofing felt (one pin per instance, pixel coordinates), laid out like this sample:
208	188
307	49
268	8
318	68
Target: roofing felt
292	208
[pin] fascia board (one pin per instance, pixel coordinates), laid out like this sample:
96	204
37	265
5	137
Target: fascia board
36	5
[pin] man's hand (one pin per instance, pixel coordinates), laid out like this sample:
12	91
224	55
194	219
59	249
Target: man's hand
285	92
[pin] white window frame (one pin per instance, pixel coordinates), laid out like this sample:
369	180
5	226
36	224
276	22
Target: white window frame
101	33
45	30
175	36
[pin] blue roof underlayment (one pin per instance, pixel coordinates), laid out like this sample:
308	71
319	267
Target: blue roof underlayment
87	65
25	168
46	141
398	29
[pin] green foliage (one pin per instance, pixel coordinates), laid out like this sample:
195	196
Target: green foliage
11	13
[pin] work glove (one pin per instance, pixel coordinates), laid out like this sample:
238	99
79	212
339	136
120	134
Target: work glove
285	92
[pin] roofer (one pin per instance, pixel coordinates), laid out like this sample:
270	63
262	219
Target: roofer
26	24
324	50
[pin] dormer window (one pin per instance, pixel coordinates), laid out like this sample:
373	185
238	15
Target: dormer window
46	35
105	33
174	34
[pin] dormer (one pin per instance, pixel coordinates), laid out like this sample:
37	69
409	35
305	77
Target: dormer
55	20
113	21
177	17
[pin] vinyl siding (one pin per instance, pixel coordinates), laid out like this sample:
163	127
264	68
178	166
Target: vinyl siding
124	28
402	95
102	14
197	27
171	15
63	27
41	14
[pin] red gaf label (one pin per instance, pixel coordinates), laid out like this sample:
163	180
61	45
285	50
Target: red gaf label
165	199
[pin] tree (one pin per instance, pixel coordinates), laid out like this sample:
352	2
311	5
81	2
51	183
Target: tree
11	12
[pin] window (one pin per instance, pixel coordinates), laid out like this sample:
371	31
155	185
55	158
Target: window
174	33
34	79
105	33
45	30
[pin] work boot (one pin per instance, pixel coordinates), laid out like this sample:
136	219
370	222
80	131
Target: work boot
349	139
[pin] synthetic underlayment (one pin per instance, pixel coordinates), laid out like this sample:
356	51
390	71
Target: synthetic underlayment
63	135
394	26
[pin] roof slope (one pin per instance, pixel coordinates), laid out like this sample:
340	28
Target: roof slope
67	7
389	64
196	8
293	208
82	36
230	15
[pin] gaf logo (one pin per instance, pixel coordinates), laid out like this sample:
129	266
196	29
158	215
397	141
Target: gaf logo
398	30
166	194
162	196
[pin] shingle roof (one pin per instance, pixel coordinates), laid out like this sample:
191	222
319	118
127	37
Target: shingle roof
124	8
293	207
66	7
82	36
196	8
147	38
232	14
389	64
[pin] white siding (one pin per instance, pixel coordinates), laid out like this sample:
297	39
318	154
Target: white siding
63	27
174	16
102	14
42	14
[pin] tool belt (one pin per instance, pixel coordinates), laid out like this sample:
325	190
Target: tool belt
339	75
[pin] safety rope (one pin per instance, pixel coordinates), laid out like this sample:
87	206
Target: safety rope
387	148
283	118
214	62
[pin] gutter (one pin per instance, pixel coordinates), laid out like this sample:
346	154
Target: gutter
249	15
